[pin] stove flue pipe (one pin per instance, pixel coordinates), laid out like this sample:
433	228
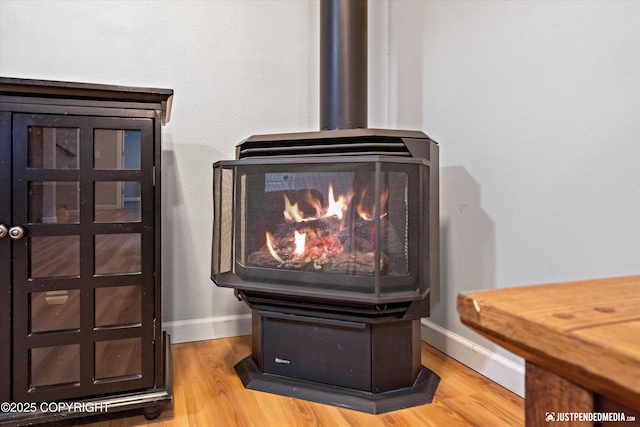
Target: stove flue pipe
343	64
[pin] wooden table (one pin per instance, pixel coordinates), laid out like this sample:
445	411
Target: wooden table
580	340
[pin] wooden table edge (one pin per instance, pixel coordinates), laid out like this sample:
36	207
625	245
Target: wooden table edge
469	310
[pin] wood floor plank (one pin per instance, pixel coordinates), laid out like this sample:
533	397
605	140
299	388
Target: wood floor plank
208	393
494	413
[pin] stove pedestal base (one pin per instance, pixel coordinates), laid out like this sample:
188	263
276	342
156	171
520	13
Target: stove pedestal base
368	367
420	393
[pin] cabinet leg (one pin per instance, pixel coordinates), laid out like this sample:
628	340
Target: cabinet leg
152	412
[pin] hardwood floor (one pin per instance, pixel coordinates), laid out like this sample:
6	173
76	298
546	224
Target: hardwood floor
208	393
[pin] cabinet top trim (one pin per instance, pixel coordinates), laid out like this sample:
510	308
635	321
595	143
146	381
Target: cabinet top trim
75	90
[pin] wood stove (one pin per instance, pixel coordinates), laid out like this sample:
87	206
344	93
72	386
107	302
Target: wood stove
332	239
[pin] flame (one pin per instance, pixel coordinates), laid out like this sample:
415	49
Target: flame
315	204
270	247
291	213
369	214
300	239
383	201
364	215
337	207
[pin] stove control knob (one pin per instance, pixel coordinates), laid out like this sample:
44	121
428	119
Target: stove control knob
3	230
16	233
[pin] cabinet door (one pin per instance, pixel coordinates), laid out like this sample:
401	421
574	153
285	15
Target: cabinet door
5	260
83	273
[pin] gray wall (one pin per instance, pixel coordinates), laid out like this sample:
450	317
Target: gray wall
535	105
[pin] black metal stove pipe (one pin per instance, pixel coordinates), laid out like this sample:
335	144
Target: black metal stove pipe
343	64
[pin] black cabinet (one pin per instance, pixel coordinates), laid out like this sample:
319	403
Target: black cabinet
80	293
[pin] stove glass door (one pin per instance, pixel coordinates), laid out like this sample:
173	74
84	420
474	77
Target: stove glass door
346	226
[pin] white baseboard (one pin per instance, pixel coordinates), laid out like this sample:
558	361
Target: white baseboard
498	369
208	328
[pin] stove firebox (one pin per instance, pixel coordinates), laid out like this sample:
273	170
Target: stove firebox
332	239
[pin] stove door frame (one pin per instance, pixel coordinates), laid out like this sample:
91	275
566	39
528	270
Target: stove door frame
418	282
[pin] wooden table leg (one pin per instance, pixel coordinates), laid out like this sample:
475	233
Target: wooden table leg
552	398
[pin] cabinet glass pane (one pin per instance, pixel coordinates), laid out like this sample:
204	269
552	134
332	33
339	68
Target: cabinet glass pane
118	358
116	149
54	202
117	201
119	305
118	253
54	365
55	256
53	148
55	310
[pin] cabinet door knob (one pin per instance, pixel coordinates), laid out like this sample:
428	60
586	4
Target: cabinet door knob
3	230
16	233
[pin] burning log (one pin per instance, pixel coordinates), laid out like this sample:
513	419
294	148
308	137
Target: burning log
314	229
318	245
262	258
296	245
313	236
363	263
